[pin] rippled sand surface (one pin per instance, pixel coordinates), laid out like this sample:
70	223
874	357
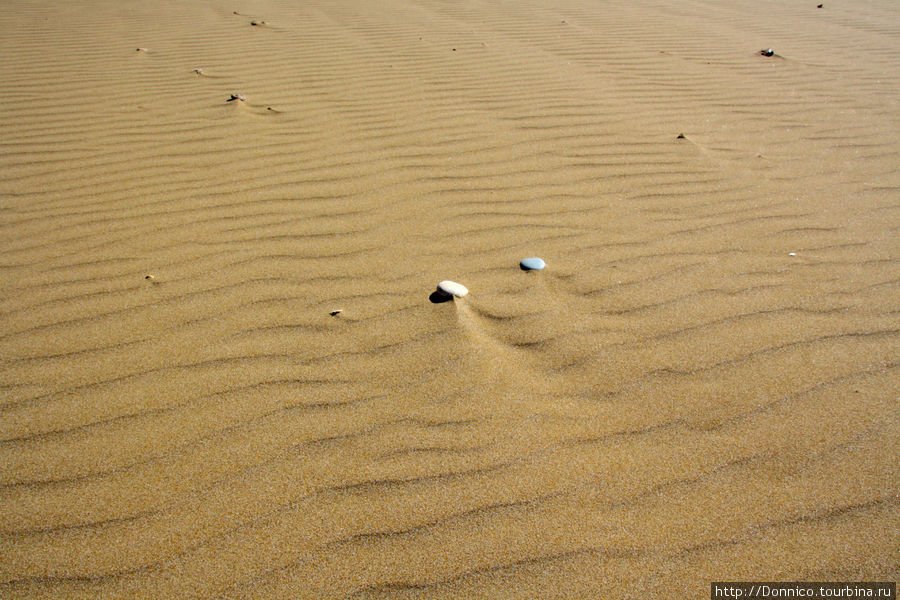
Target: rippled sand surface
702	384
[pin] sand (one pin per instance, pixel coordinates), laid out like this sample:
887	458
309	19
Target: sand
702	384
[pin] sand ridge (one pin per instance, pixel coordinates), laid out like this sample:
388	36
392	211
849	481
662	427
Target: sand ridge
702	385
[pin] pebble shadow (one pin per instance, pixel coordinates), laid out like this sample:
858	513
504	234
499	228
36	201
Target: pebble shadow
437	298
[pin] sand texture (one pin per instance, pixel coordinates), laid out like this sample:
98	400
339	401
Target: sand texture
702	384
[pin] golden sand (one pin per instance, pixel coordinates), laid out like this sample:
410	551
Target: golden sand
702	385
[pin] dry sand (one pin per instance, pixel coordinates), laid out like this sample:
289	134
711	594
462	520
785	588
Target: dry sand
702	385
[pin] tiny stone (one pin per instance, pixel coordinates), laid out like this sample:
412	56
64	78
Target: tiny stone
148	276
680	136
451	288
767	52
141	50
336	312
792	254
236	97
532	264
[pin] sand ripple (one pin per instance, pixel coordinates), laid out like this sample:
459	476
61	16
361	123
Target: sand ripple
702	385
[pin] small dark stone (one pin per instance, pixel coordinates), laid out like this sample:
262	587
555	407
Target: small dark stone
680	136
819	6
767	52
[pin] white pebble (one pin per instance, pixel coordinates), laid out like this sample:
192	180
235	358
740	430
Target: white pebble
451	288
532	264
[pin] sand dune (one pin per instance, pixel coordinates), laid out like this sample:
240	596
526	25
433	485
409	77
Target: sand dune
702	385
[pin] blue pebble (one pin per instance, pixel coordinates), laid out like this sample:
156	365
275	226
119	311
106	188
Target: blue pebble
532	264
